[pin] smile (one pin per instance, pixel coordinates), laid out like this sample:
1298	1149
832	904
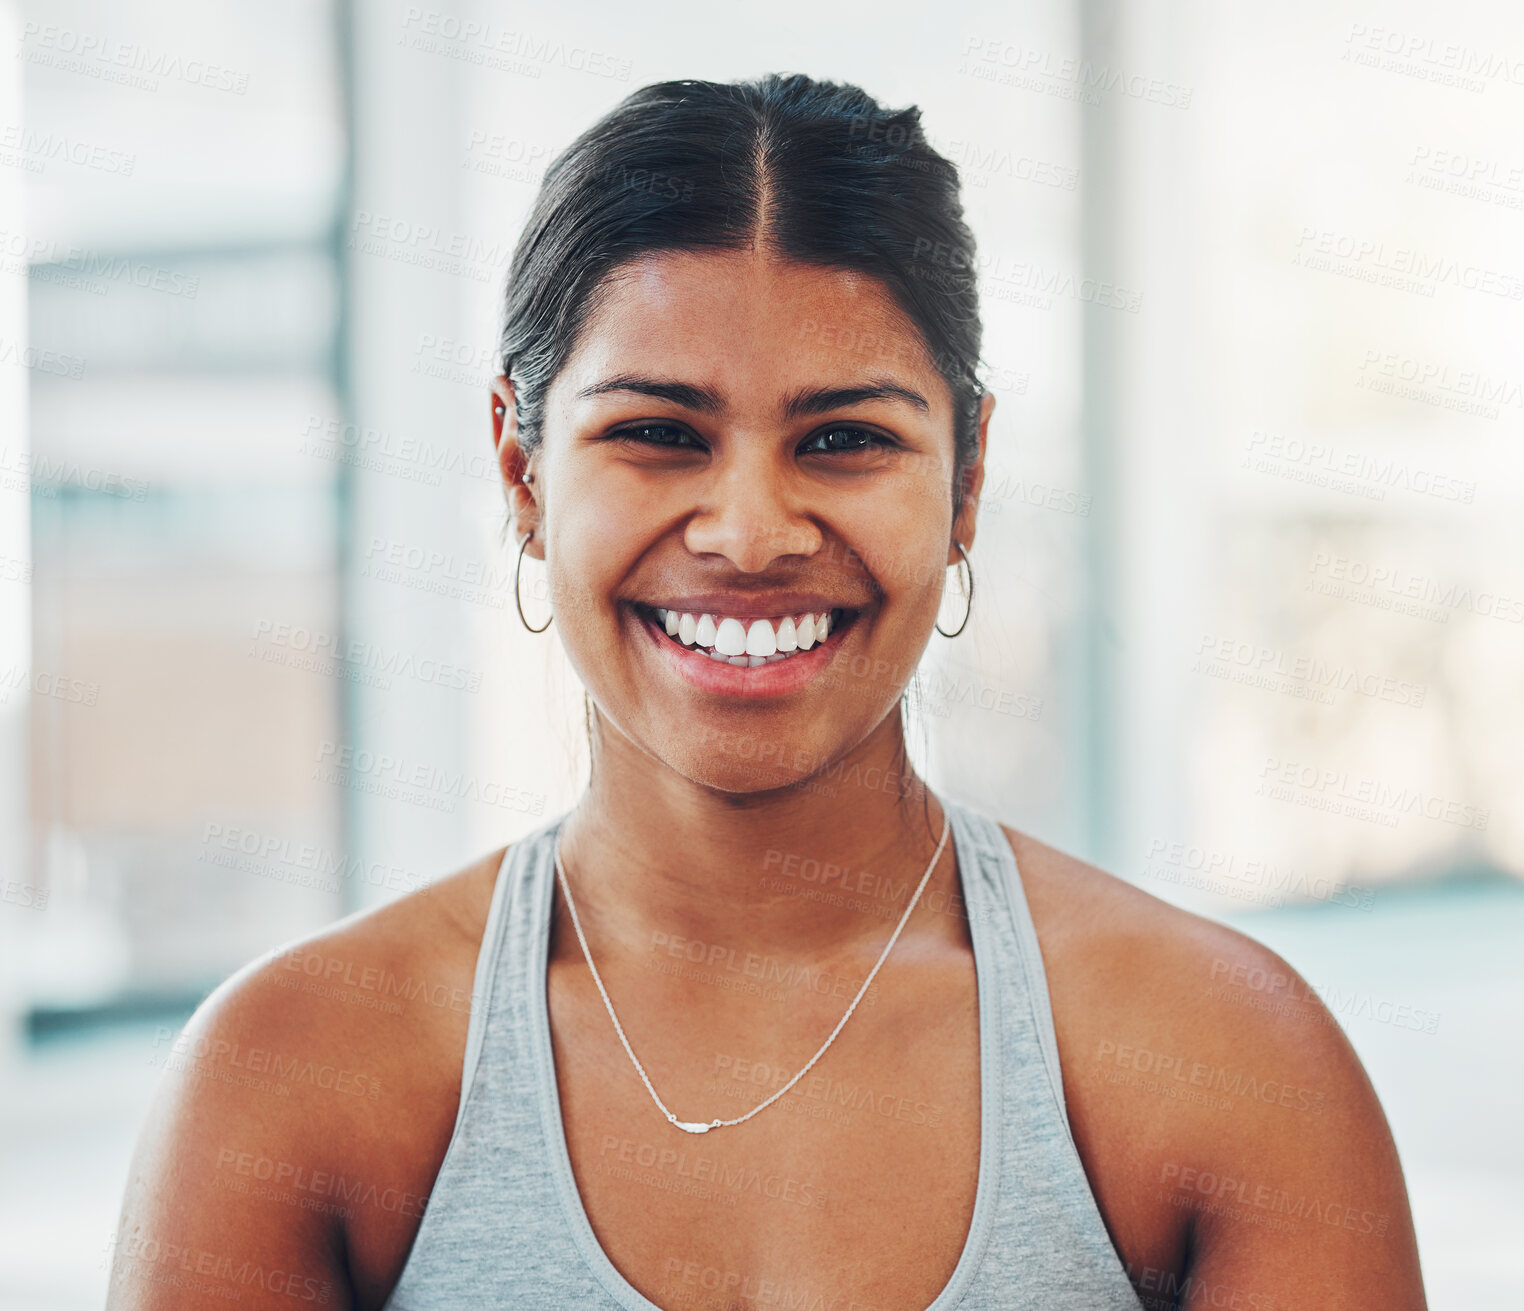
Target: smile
750	656
749	642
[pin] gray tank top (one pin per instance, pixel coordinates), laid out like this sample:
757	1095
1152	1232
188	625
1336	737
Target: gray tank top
505	1227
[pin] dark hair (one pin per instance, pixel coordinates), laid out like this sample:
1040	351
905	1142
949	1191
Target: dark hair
819	170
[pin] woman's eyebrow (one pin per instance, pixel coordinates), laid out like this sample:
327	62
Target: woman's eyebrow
821	400
686	394
812	400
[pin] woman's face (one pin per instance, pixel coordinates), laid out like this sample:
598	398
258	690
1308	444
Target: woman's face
755	441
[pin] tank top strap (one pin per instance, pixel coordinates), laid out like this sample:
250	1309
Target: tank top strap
993	888
508	940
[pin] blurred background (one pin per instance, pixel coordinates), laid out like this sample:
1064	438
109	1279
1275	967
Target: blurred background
1250	620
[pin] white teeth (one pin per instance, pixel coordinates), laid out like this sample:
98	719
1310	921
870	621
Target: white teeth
746	642
715	655
729	639
760	640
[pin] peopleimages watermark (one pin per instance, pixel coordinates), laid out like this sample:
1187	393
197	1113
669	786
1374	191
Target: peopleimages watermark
1311	677
40	359
853	338
474	41
736	1075
500	155
429	569
32	150
1430	382
26	895
45	475
1361	797
426	245
1278	993
1004	486
1022	282
858	889
309	864
123	63
823	774
295	646
1413	54
1175	1072
1168	1290
142	1258
1399	268
1472	177
381	450
44	259
769	972
255	1067
1419	596
417	782
448	359
708	1177
1223	1190
47	683
1352	472
978	161
268	1178
1010	63
1265	881
334	976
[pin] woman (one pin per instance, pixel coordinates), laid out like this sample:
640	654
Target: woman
762	1021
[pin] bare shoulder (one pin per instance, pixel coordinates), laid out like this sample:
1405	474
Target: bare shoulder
1126	969
1217	1105
305	1108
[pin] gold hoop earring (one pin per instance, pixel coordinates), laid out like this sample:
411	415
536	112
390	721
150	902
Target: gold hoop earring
965	562
516	601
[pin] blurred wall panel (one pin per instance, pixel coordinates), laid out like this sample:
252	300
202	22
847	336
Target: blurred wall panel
182	169
18	888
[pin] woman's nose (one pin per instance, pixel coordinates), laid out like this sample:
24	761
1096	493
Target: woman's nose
752	517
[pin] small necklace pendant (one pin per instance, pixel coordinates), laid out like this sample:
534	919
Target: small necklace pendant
691	1126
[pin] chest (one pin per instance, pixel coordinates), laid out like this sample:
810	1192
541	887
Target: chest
856	1187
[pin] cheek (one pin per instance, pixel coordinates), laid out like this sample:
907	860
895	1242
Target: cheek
901	542
592	545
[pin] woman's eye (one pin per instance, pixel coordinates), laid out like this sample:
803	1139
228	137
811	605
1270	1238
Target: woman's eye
832	440
655	434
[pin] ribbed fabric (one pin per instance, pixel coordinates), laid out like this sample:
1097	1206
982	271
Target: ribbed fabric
505	1227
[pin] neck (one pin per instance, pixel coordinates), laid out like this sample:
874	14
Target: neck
824	866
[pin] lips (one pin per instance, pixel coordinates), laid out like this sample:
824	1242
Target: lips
707	666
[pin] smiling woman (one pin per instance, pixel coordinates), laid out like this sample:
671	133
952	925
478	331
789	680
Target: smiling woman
739	419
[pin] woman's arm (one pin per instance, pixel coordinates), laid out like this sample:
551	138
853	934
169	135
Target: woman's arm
1298	1199
304	1114
235	1107
1232	1140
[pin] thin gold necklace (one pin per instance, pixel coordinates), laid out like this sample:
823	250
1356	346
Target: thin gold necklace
699	1126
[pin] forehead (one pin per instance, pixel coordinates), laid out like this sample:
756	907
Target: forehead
751	325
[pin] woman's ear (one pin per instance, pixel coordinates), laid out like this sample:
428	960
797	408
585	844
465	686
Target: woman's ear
515	466
973	484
